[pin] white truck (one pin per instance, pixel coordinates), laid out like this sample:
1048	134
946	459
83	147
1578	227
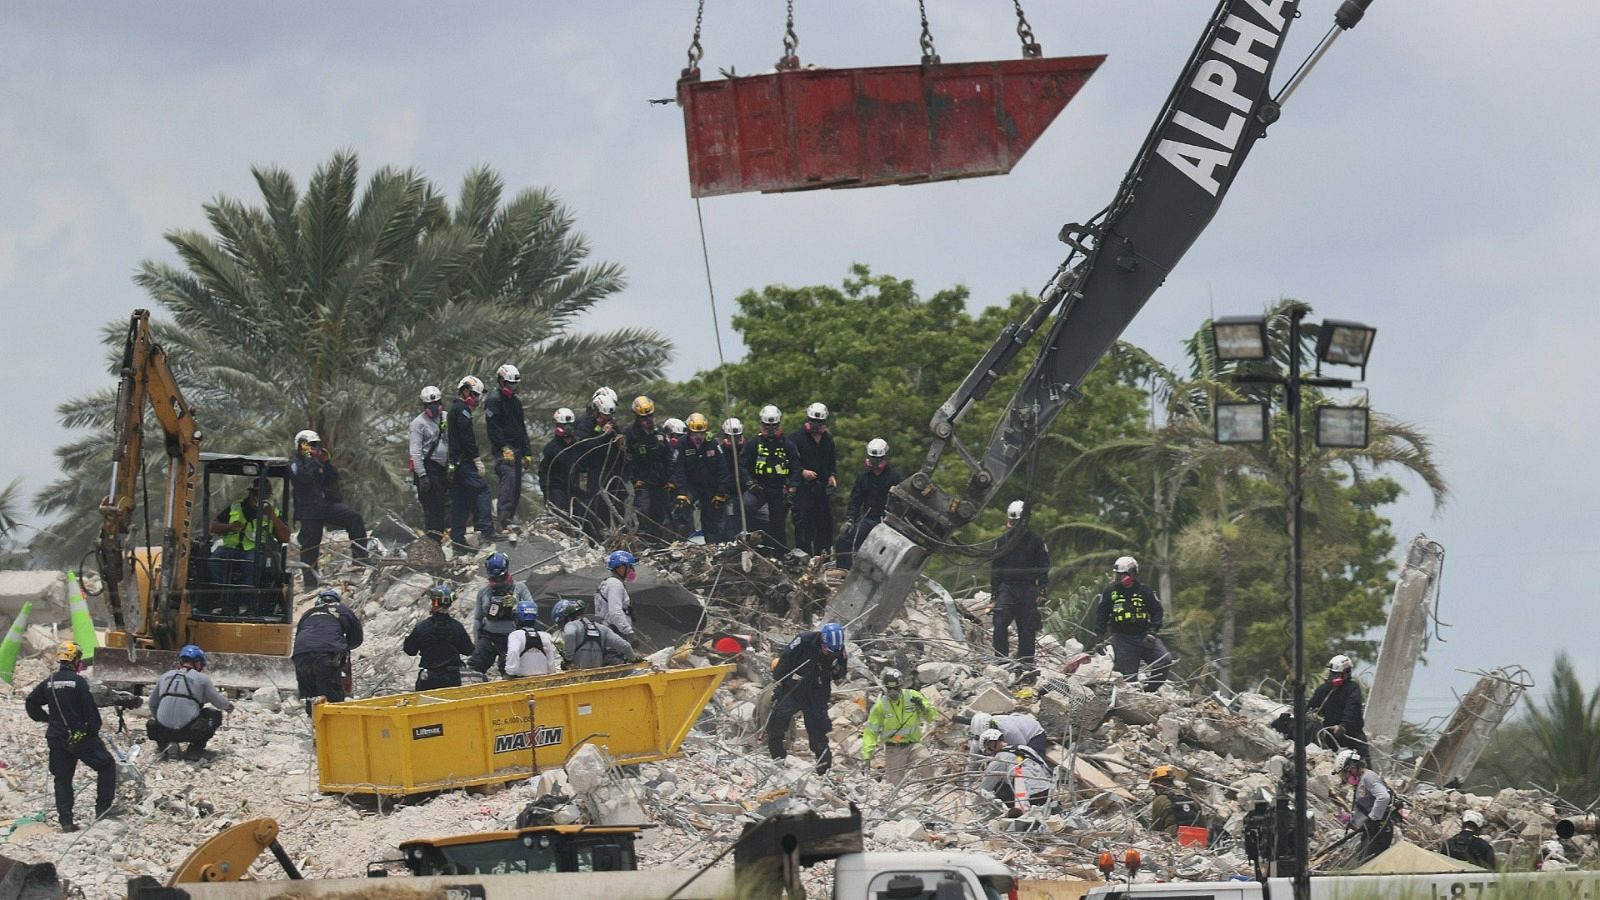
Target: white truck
1451	886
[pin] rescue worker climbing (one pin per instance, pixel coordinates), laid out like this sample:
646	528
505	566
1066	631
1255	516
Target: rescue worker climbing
1018	579
1468	844
248	528
1133	615
612	605
1016	775
323	639
178	713
586	642
438	642
898	721
428	459
319	504
1374	803
805	674
868	498
1173	808
816	465
648	467
530	650
507	429
768	468
469	493
1337	704
697	474
72	734
496	614
558	465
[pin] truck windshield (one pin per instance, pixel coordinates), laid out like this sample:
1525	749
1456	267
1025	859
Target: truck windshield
922	885
997	887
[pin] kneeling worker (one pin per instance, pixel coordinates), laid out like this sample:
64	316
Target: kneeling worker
178	713
1467	845
1016	775
440	641
898	721
1172	808
586	642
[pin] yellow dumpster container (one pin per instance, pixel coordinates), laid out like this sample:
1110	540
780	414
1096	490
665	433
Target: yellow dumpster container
481	733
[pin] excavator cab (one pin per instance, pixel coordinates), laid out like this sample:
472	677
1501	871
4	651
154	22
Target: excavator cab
239	561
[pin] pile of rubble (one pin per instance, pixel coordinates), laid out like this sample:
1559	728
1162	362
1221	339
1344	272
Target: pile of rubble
1107	736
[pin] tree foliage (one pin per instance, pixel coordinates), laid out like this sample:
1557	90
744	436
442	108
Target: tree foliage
1554	745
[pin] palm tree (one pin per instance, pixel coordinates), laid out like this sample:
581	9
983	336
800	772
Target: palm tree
1566	735
330	309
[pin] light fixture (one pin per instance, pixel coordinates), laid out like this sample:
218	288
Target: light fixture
1342	426
1240	423
1240	338
1345	343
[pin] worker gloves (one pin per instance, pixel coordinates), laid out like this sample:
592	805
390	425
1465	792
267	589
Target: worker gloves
1150	640
508	455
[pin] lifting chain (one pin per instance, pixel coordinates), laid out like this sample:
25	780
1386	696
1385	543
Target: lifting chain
1030	46
930	56
696	52
791	43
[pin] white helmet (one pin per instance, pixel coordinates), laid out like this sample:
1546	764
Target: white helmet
1472	817
431	394
508	373
564	416
604	392
817	412
891	677
1340	663
307	437
1345	759
771	415
1014	511
604	405
732	427
675	426
877	448
990	735
1125	564
980	723
470	382
1552	850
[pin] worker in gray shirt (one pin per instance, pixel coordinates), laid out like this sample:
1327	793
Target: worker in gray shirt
1018	728
587	642
612	605
496	615
430	449
178	712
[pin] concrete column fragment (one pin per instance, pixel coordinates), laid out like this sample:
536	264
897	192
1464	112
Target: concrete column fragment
1414	593
1469	730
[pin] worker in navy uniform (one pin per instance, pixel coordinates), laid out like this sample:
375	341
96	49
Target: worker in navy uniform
507	430
558	465
697	472
816	465
768	472
178	713
469	493
72	733
868	498
805	675
732	483
319	504
1133	615
323	639
1017	580
1467	844
438	641
647	468
602	454
1337	703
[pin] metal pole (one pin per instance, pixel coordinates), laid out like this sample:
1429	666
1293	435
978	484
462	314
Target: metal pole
1302	877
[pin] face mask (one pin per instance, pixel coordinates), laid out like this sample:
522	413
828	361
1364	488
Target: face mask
507	390
1352	778
648	423
432	410
562	432
471	400
1337	680
1125	579
630	576
696	438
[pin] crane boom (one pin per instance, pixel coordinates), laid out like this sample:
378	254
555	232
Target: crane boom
1217	110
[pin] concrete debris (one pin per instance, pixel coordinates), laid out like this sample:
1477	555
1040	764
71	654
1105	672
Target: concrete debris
1107	736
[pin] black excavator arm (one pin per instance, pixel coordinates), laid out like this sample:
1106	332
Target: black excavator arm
1218	109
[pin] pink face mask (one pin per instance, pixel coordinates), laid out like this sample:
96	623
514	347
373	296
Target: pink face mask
471	400
630	575
1352	778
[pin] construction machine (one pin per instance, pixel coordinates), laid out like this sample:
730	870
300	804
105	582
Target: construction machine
236	605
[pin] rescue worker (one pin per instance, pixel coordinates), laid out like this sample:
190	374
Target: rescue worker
612	605
72	734
245	527
1172	806
679	520
319	504
697	474
602	453
648	466
1016	775
868	498
816	462
768	469
1373	801
1337	703
1016	728
496	614
530	651
898	721
732	483
469	493
1133	615
1552	858
323	639
178	713
1467	844
508	442
558	465
805	674
429	459
586	642
1018	579
438	642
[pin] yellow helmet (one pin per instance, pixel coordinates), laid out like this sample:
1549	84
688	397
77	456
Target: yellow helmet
643	406
1166	773
698	424
69	652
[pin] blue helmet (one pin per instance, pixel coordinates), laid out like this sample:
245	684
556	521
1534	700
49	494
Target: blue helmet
441	595
621	558
833	636
193	654
329	595
526	612
498	565
566	610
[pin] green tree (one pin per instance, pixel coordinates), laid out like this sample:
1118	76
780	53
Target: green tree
330	309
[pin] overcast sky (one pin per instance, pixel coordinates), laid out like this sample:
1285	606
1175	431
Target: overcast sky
1435	178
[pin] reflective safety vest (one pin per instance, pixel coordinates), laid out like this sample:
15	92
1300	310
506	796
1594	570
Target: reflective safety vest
1128	607
254	531
772	461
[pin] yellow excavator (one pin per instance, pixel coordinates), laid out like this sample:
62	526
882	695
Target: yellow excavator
235	602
